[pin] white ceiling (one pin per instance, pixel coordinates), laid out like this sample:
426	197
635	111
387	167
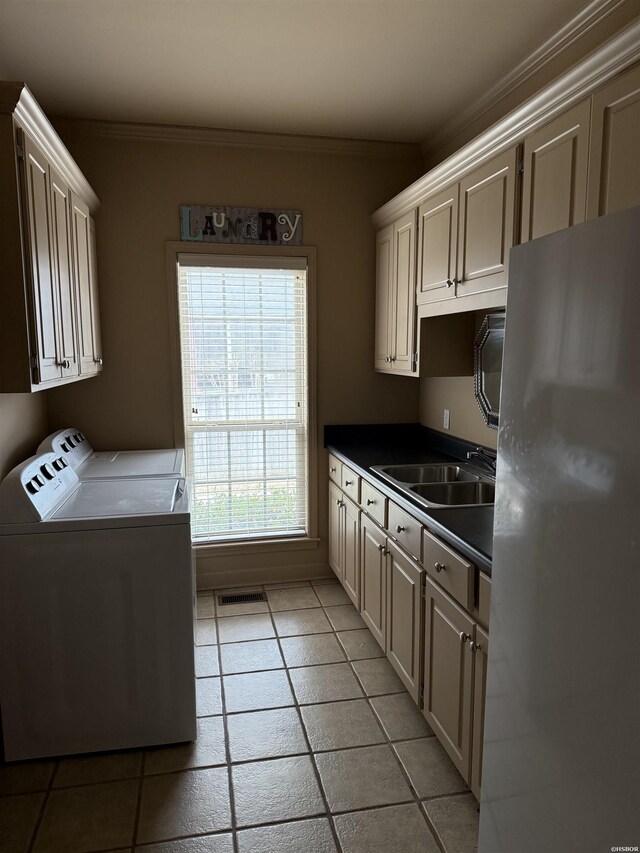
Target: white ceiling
369	69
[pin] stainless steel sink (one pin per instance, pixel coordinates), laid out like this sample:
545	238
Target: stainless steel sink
427	473
455	494
440	485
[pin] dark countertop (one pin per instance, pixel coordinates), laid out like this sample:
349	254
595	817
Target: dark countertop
468	529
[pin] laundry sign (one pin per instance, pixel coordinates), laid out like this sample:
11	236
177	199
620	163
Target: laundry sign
207	224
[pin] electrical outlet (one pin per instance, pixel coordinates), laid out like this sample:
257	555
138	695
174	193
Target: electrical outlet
446	419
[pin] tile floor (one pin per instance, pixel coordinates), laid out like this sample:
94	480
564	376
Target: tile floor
307	743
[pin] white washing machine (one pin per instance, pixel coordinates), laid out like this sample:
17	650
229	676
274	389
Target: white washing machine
89	464
97	596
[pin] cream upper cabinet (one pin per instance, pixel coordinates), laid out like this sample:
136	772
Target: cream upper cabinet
438	246
556	163
395	297
486	220
85	277
49	319
404	618
614	176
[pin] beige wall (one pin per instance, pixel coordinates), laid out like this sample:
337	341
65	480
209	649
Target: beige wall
141	184
23	425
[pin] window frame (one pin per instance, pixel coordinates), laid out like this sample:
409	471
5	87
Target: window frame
173	250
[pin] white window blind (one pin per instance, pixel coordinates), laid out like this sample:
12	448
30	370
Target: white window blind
243	337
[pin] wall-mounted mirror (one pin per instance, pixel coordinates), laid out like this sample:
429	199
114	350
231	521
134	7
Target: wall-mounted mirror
488	366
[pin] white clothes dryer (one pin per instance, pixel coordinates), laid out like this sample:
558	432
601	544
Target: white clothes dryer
97	596
89	464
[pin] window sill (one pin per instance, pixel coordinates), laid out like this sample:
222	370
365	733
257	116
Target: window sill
257	546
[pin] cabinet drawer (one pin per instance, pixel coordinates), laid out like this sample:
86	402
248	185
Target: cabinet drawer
351	483
405	530
335	470
373	503
449	569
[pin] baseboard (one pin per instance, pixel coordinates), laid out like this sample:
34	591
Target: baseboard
211	578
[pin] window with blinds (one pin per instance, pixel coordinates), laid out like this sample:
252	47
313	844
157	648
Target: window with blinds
243	338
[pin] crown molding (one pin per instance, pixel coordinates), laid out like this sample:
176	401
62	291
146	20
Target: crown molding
576	27
239	138
16	99
578	83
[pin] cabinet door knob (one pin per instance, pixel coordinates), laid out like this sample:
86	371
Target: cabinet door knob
464	637
338	502
450	283
475	647
332	470
387	358
369	501
348	482
439	567
97	361
381	548
399	528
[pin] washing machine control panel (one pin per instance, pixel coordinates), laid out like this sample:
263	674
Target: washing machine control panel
70	444
32	490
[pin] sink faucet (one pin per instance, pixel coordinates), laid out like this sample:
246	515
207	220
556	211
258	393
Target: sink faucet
483	456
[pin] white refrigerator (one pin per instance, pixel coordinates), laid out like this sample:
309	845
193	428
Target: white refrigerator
561	768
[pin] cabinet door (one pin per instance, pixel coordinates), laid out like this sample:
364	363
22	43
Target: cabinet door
481	656
335	516
438	240
614	177
556	160
403	291
93	287
384	274
404	624
373	578
486	225
39	228
351	552
61	245
448	675
86	292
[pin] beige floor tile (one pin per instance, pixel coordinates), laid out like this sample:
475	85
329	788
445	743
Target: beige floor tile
250	657
378	677
326	683
25	777
456	822
204	605
84	769
344	617
202	844
429	767
236	629
299	836
293	623
400	717
206	633
207	750
206	660
292	598
331	595
195	801
265	734
243	609
95	817
338	725
208	697
256	691
393	828
323	581
312	649
18	816
360	644
269	791
363	777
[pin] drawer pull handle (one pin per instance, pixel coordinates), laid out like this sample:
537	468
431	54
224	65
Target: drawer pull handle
399	528
439	567
370	501
464	637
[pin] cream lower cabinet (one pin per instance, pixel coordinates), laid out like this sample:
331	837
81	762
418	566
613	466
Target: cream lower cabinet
453	680
373	578
344	556
404	618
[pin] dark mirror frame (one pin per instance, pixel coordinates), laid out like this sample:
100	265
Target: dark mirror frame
491	324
